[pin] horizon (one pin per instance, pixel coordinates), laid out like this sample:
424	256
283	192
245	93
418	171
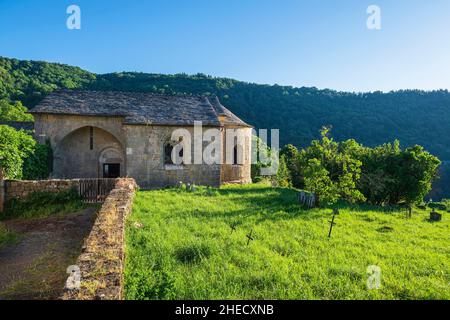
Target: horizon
296	43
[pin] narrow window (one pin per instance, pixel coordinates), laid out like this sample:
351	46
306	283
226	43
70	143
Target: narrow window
235	155
168	153
91	138
168	148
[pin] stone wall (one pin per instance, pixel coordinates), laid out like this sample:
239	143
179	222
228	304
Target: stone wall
238	173
20	189
145	159
102	262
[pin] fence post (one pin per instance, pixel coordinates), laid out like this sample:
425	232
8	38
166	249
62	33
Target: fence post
2	191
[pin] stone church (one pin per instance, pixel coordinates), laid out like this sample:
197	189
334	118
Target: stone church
129	134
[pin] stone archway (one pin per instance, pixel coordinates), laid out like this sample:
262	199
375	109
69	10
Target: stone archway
83	152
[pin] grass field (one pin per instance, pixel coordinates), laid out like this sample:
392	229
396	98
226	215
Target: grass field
180	245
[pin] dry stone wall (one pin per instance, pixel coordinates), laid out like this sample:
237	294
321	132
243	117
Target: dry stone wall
101	263
20	189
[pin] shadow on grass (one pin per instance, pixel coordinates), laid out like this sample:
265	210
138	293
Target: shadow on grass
363	207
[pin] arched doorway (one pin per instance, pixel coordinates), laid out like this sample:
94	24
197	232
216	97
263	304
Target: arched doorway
111	163
89	152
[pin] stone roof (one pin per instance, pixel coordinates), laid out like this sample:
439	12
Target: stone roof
19	125
139	107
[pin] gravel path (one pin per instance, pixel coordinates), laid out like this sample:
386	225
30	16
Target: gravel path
36	267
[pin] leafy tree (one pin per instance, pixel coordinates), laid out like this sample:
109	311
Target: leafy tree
391	175
317	180
13	112
283	176
15	146
343	170
382	175
291	156
38	164
417	171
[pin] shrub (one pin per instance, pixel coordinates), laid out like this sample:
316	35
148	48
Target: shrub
38	165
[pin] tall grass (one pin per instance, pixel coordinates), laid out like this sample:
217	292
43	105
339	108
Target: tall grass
43	204
187	249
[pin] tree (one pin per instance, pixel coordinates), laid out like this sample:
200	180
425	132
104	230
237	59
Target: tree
291	154
13	112
38	164
15	146
336	161
391	175
283	176
416	174
317	180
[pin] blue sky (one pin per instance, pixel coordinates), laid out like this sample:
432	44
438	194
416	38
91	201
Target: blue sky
321	43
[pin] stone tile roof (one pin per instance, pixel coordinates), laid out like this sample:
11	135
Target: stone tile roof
18	125
139	107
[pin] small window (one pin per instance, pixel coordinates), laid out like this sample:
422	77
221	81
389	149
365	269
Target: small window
91	138
168	148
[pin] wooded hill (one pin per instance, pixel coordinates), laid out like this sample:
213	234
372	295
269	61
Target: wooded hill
412	116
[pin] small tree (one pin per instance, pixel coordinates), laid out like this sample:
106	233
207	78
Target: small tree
283	178
317	180
291	155
334	166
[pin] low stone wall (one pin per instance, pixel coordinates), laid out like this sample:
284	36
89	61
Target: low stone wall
20	189
102	261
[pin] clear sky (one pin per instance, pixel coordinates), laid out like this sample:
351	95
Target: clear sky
321	43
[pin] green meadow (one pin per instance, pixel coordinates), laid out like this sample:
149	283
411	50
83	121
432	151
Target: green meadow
194	245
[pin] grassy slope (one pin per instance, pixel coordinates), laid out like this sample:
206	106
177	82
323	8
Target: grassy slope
185	249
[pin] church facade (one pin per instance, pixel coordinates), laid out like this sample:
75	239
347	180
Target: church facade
159	140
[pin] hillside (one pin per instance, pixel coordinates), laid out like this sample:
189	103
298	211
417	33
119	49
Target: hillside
413	117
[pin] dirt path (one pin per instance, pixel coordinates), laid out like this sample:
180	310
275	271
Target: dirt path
36	267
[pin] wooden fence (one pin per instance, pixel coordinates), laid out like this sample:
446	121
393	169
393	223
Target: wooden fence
96	190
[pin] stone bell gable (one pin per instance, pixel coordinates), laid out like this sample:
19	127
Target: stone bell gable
128	134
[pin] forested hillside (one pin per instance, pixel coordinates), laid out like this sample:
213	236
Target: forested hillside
413	117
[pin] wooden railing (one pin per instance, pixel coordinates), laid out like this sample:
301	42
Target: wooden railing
96	190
